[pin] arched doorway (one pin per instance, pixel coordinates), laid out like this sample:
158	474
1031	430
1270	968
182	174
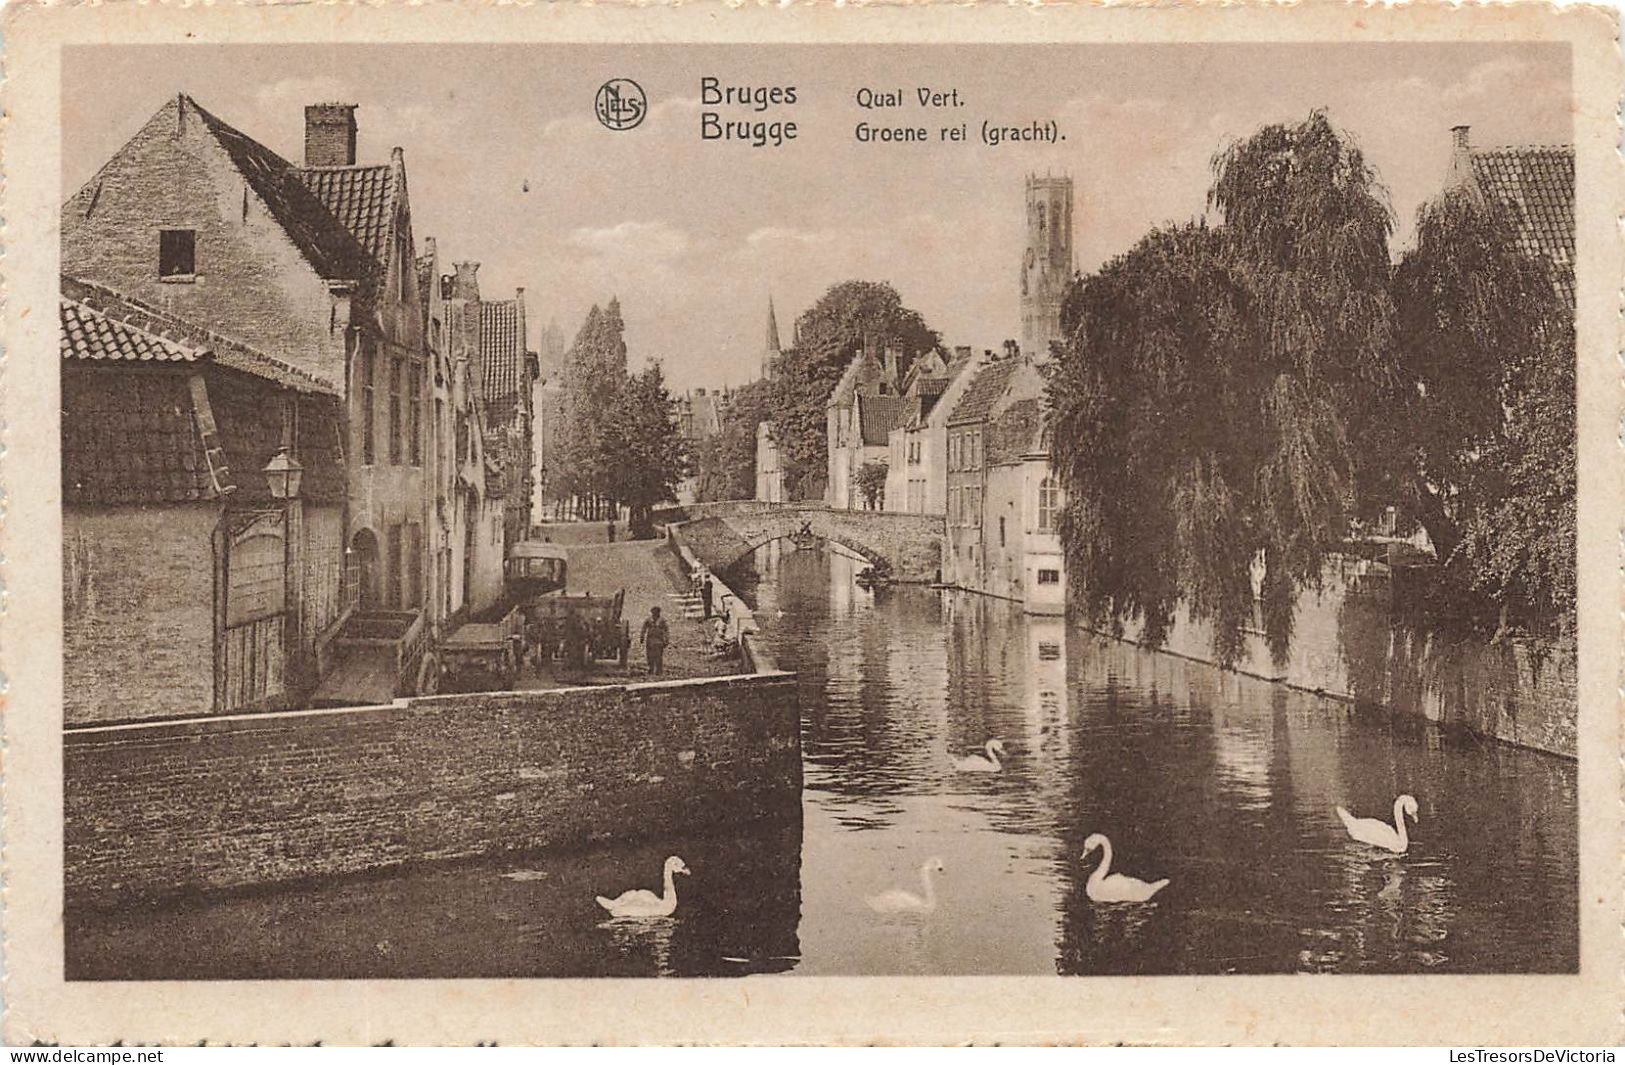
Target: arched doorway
361	563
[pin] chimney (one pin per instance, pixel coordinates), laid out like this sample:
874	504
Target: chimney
1461	155
428	247
465	286
330	135
1011	349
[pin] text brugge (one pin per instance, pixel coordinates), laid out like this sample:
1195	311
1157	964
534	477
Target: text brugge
761	129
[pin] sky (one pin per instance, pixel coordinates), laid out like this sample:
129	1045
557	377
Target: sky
508	165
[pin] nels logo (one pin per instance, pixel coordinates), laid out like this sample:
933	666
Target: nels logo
621	104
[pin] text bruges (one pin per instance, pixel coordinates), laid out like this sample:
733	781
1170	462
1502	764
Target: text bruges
756	132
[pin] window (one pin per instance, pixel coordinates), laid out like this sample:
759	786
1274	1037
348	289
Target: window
177	253
395	411
1049	576
1001	530
1049	502
369	370
415	407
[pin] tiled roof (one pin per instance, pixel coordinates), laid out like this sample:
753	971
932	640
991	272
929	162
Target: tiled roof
502	349
89	334
362	198
99	324
1537	184
983	391
320	237
131	438
877	417
1016	432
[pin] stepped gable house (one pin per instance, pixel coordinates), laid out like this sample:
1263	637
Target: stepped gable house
508	375
189	586
466	516
311	266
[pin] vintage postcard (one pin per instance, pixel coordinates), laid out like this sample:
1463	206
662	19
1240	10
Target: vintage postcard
701	524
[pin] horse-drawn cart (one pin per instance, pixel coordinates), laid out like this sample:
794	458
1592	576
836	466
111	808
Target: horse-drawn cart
579	628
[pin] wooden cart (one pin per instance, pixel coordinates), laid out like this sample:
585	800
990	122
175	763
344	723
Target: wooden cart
494	643
377	656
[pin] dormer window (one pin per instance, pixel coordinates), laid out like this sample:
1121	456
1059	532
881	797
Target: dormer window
177	254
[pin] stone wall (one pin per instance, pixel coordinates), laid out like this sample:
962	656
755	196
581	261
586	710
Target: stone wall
178	807
1348	643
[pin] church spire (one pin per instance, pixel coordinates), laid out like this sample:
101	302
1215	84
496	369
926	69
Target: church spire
773	350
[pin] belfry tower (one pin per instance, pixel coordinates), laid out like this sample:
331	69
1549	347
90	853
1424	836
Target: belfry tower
1047	264
771	353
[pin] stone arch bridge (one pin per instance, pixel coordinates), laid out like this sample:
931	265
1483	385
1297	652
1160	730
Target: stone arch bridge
720	534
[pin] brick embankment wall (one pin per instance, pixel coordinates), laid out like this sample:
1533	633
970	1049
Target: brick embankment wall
181	806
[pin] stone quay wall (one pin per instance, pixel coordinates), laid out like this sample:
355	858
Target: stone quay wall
179	807
754	649
1348	642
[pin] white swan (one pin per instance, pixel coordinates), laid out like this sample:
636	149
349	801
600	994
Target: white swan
899	901
1105	886
1380	833
979	763
641	903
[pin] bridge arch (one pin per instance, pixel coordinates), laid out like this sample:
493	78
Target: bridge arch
723	533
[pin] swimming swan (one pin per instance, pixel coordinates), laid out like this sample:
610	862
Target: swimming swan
978	763
899	901
1104	886
1380	833
641	903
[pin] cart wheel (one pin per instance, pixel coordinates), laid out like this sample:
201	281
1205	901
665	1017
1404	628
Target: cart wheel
428	682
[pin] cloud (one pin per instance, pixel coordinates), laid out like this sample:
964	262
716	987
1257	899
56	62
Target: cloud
656	241
290	93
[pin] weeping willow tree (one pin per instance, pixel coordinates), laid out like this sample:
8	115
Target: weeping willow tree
1484	457
1210	401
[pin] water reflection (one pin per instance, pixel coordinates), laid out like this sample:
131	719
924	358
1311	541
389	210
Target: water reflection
1224	784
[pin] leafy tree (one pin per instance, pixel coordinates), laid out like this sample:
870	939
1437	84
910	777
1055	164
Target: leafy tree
646	456
828	335
727	461
594	370
1213	389
1483	452
872	483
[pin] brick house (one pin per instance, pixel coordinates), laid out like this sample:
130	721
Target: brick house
1536	184
312	265
859	416
915	477
965	470
188	586
1021	504
466	517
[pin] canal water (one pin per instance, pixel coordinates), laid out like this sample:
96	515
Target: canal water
1222	784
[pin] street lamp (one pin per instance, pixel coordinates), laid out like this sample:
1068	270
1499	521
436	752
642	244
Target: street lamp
284	473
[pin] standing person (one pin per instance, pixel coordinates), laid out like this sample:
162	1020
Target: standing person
612	530
705	594
655	636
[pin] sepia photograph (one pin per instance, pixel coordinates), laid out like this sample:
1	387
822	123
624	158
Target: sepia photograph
713	509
